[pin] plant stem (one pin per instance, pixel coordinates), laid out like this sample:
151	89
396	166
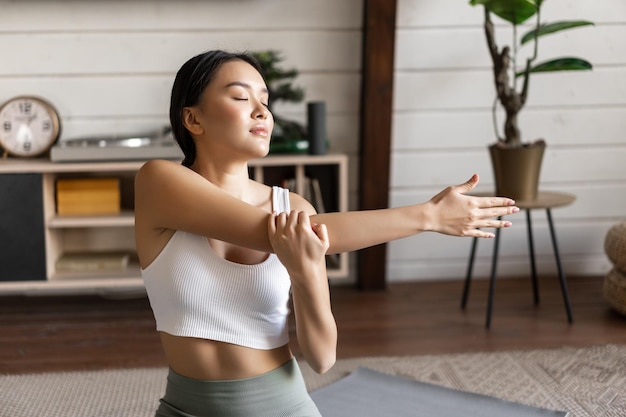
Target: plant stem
494	117
529	61
514	57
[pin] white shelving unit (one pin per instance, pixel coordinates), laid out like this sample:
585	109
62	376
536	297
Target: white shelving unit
115	232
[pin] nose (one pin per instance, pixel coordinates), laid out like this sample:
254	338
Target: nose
261	112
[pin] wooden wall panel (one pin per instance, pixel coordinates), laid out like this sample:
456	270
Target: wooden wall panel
375	127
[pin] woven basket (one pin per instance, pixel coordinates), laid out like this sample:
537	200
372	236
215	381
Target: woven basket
615	245
614	289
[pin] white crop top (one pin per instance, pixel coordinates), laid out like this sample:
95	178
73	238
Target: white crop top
194	292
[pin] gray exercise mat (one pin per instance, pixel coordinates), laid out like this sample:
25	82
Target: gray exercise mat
366	392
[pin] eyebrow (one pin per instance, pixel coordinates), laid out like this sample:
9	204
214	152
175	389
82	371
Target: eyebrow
244	85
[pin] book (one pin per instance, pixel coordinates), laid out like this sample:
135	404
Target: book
88	196
93	261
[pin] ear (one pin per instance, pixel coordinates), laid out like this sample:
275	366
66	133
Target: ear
191	122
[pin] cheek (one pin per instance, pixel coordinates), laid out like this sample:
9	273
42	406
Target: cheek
228	112
222	118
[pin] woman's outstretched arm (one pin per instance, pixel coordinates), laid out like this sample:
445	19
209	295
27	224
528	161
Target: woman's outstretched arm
450	212
170	196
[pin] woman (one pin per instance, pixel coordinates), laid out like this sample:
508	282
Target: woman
220	252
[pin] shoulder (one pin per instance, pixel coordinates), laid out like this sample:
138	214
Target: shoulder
298	202
158	167
162	173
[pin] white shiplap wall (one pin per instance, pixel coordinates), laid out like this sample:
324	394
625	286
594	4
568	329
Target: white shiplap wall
108	65
442	125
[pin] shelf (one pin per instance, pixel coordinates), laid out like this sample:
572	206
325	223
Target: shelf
131	272
82	286
125	219
44	166
79	233
108	282
285	160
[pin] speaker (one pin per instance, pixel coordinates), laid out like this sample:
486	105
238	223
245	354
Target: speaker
22	245
316	124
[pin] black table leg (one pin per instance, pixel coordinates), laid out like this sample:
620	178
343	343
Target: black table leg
557	257
492	281
468	276
531	251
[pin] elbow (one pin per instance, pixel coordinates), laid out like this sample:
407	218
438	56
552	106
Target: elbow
323	365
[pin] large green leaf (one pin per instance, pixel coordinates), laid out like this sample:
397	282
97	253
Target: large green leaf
514	11
548	28
560	64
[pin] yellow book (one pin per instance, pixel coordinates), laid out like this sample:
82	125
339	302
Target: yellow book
88	208
88	196
81	184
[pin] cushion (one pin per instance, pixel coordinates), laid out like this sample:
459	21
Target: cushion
614	289
615	245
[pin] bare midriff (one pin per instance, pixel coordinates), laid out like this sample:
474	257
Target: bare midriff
218	361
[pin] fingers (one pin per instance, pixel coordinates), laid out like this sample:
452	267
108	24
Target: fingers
292	234
303	219
486	202
498	224
271	223
293	218
279	222
481	233
468	185
489	224
494	212
322	232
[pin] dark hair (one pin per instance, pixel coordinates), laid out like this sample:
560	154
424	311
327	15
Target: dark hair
191	80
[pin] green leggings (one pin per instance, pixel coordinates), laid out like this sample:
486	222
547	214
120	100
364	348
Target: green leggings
278	393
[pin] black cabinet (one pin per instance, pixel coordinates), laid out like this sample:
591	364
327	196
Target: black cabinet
22	239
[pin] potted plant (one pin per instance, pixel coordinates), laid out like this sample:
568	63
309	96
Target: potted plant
288	136
517	163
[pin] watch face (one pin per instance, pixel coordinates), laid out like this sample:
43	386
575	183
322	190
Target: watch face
29	126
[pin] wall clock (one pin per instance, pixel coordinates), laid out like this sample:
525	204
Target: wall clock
29	126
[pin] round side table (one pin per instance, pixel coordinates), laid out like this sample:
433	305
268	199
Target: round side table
546	200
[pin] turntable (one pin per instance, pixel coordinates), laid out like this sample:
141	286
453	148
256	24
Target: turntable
155	145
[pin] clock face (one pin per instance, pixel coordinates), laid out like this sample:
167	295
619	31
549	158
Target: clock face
29	126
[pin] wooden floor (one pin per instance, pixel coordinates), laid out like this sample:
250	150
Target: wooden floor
88	332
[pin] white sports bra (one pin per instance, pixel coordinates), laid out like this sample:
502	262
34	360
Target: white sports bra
194	292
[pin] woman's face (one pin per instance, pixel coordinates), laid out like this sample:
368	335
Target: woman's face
232	116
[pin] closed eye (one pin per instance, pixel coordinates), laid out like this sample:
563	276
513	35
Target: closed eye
246	99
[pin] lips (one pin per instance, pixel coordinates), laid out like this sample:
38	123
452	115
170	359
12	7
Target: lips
259	130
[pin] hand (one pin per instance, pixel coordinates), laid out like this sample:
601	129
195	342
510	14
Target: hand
300	246
455	213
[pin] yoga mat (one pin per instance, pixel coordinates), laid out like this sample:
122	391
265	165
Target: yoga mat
366	392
